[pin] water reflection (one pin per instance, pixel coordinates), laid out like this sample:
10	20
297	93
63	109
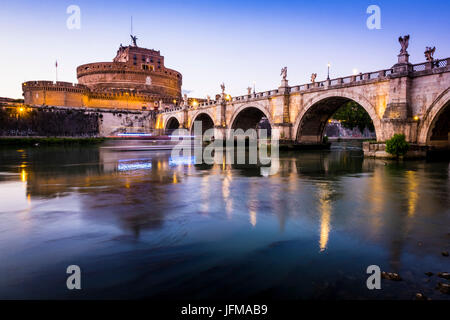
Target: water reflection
325	208
412	191
226	192
321	211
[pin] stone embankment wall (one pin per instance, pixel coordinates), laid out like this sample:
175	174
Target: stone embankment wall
378	150
69	122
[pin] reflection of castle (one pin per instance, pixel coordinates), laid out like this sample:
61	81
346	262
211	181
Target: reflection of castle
136	79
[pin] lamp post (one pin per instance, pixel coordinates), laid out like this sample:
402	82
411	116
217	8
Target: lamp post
329	65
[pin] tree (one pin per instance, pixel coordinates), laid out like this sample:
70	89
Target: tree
353	115
397	145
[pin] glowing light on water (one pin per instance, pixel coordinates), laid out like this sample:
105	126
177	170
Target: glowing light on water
134	164
23	176
135	134
181	160
325	209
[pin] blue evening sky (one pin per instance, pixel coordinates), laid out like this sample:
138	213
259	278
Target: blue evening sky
209	42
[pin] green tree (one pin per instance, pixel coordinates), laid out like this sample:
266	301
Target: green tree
397	145
353	115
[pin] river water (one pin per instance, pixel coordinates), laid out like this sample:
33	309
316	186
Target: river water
141	224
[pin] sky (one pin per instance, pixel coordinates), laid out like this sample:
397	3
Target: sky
241	43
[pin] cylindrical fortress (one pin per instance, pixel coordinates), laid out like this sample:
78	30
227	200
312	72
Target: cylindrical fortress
136	79
120	76
133	68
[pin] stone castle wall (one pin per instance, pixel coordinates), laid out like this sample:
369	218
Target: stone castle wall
63	94
112	75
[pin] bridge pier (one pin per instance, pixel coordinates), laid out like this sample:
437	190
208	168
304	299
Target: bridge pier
220	133
282	132
408	127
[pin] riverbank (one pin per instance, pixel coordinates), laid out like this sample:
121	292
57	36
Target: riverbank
36	141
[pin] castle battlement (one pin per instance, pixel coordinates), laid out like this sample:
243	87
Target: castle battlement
111	67
50	85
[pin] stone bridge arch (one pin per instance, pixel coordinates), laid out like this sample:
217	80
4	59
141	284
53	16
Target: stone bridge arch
259	110
433	113
313	117
172	123
206	117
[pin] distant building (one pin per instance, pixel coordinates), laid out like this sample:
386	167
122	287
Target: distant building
335	129
10	101
136	79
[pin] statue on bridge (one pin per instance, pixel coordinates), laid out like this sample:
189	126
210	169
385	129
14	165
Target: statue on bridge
249	90
313	77
284	73
429	53
404	42
222	86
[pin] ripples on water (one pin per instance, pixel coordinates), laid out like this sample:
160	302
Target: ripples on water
142	224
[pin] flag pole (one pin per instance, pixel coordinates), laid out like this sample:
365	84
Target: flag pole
56	70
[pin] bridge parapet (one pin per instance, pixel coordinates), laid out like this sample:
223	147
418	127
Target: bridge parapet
435	65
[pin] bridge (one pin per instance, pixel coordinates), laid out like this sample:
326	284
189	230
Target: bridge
412	99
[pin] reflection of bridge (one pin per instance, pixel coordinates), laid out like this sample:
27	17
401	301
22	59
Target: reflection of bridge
407	98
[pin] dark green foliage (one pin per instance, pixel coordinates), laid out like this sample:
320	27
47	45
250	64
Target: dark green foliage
397	145
353	115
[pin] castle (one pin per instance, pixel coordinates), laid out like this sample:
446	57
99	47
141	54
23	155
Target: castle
136	79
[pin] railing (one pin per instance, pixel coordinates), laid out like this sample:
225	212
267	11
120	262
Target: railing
355	79
443	63
419	67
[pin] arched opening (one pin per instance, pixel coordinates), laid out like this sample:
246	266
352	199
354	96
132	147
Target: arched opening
336	117
439	130
251	118
172	125
204	121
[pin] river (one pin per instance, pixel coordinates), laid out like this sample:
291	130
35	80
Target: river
141	224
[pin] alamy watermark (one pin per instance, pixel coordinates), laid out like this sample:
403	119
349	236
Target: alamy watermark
374	280
74	280
253	146
73	22
374	20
